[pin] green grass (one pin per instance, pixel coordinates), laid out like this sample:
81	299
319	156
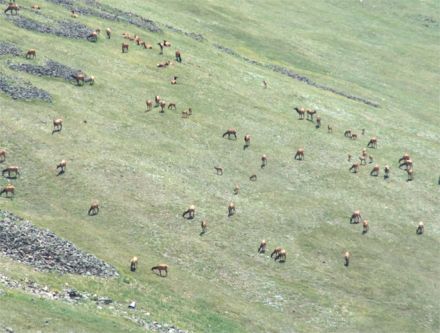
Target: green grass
146	168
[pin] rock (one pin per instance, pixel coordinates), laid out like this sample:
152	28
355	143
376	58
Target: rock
19	89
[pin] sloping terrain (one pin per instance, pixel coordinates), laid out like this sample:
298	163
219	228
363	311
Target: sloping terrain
146	168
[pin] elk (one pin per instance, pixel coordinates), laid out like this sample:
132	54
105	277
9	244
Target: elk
247	141
276	251
356	217
124	48
178	57
163	64
349	158
405	157
300	112
347	133
236	189
73	14
185	114
253	177
133	264
410	173
94	208
386	170
62	166
310	114
281	256
171	106
162	105
12	7
347	256
79	77
365	226
166	43
148	46
174	80
375	171
11	169
318	121
354	168
2	155
190	212
204	226
31	54
407	164
219	170
370	159
9	188
420	228
231	209
149	103
354	136
265	84
299	154
329	129
372	143
161	48
108	31
35	7
363	160
263	161
157	100
57	125
93	37
230	132
262	247
160	268
90	80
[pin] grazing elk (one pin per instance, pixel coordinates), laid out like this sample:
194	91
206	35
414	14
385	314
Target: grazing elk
310	114
253	177
356	217
133	264
94	208
162	105
157	100
300	112
230	132
354	168
12	7
375	170
174	80
347	133
57	125
12	169
108	31
347	256
420	228
190	212
35	7
405	157
2	155
231	209
262	247
160	268
178	56
386	171
8	189
79	78
149	103
236	189
329	129
281	256
204	226
247	141
365	227
299	154
219	170
372	143
263	161
407	164
166	43
73	14
93	37
62	166
124	48
164	64
276	251
31	54
171	106
354	136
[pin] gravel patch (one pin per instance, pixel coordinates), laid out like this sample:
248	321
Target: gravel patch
45	251
22	90
9	48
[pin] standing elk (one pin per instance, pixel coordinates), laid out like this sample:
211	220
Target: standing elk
31	54
124	48
166	43
405	157
13	169
2	155
386	171
247	141
318	121
94	208
160	268
79	78
12	7
171	106
93	37
8	189
354	168
354	136
347	133
62	166
236	189
231	209
149	103
174	80
133	264
178	56
36	7
281	256
230	132
372	143
356	217
420	228
57	125
299	154
162	105
365	227
347	256
204	226
262	247
300	112
219	170
263	161
108	31
375	170
276	251
310	114
190	212
407	164
253	177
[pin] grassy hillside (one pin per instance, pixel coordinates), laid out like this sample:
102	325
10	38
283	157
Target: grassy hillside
147	168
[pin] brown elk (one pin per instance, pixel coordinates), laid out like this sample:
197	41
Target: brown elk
363	160
253	177
247	140
93	37
12	169
386	170
190	212
2	155
160	268
236	189
263	161
149	103
405	157
347	256
318	121
372	143
231	209
310	114
62	166
108	31
133	264
300	112
262	247
31	54
407	164
410	173
420	228
230	132
79	77
329	129
166	43
185	114
276	251
171	106
148	46
57	125
35	7
174	80
356	217
73	14
365	226
8	189
347	133
299	154
375	170
12	7
178	56
157	100
204	226
354	168
162	105
354	136
94	208
124	48
281	256
219	170
164	64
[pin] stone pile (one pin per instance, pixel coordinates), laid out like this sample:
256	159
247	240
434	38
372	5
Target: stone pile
19	89
51	68
9	48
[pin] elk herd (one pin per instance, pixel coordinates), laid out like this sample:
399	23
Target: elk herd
279	253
